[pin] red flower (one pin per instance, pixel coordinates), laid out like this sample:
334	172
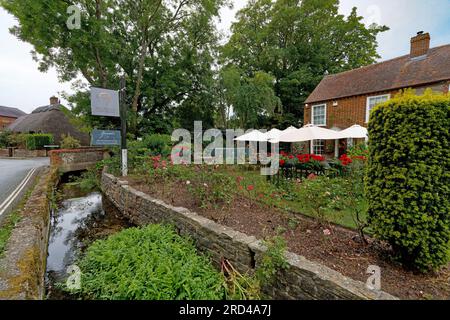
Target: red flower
282	163
291	156
345	160
250	188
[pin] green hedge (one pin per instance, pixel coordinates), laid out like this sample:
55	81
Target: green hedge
37	141
408	178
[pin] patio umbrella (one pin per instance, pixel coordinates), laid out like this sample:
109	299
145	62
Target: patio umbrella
273	134
355	131
255	135
307	133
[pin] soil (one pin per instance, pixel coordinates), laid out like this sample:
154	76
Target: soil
341	249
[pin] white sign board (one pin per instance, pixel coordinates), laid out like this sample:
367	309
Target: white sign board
105	102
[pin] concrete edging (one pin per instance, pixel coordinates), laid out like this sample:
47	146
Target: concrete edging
22	268
303	279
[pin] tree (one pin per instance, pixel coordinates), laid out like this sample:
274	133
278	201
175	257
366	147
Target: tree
164	48
250	97
298	42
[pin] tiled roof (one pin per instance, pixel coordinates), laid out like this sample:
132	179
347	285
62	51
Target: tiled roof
11	112
402	72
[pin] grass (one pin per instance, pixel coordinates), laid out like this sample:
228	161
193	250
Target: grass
10	222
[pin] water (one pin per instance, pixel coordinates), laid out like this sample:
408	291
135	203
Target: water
74	226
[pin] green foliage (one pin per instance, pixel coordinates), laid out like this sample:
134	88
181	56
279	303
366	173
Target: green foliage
37	141
89	180
6	228
272	261
408	180
166	49
149	263
358	150
5	138
158	144
320	194
297	42
69	142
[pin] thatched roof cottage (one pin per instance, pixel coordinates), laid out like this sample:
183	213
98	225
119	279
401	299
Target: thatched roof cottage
50	119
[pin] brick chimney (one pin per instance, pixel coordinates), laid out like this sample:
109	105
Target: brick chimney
54	100
420	44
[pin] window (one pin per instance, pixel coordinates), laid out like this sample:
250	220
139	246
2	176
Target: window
318	147
373	101
319	115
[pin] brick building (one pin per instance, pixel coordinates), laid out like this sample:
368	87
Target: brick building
8	116
345	99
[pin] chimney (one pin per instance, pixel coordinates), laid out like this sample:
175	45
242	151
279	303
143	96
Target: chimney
54	100
420	44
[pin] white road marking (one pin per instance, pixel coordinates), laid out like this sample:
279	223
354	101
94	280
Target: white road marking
16	192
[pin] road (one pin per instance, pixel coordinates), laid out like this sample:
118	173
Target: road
13	172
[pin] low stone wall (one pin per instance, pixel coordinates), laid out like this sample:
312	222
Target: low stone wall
23	153
302	280
22	268
76	159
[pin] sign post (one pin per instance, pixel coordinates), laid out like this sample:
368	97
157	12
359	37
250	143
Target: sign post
123	126
111	103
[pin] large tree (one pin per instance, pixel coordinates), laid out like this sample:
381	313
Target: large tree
164	48
298	42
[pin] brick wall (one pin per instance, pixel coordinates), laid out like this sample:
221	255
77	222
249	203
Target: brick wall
352	110
76	159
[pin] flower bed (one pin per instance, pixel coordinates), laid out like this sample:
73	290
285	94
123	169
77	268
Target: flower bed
240	198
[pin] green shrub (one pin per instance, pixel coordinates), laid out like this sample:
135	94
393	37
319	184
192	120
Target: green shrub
149	263
69	142
158	144
5	138
37	141
408	180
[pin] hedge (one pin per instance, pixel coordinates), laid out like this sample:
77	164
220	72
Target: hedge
408	178
37	141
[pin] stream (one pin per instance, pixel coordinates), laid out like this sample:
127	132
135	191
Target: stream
75	224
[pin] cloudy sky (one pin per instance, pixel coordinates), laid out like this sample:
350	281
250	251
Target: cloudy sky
23	86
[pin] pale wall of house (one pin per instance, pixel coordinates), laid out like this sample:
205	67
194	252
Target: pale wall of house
352	110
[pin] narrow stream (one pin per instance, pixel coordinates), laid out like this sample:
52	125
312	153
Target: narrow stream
74	226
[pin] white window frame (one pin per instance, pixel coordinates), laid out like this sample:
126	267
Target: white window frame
315	144
325	114
368	104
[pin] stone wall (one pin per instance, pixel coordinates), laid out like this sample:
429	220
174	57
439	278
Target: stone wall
76	159
23	153
302	280
22	268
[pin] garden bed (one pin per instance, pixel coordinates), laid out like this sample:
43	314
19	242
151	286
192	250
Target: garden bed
334	246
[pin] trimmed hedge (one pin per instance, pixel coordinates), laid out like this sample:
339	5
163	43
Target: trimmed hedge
37	141
408	178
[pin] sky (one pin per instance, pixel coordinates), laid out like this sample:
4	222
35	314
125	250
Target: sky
22	85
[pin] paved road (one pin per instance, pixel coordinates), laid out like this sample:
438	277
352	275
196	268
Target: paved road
13	171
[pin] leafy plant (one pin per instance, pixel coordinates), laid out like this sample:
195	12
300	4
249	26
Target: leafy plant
69	142
149	263
272	261
408	178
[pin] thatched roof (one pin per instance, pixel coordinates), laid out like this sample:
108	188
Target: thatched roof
49	119
11	112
